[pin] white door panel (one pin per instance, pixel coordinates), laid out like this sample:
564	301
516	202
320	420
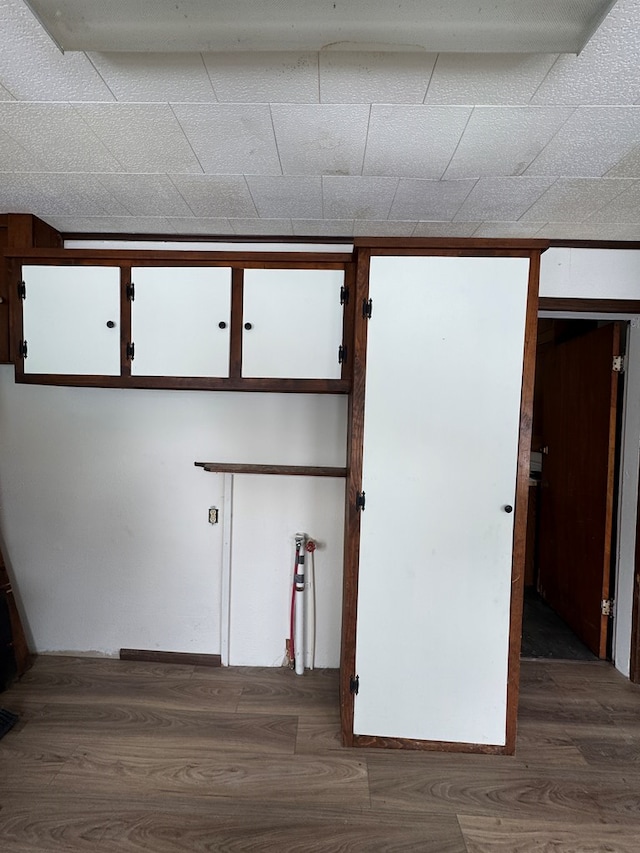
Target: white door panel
443	387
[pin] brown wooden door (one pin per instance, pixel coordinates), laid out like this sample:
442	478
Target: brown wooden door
577	495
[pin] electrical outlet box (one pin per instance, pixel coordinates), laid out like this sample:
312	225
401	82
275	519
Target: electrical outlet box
213	515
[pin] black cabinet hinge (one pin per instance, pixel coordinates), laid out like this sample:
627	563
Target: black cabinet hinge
342	354
354	684
360	501
344	295
131	292
367	308
131	351
22	349
22	290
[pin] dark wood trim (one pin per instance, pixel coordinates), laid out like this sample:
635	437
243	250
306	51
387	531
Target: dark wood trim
139	257
19	643
595	306
521	505
413	245
355	440
428	745
182	383
285	470
199	238
126	310
595	244
15	318
348	319
237	313
184	658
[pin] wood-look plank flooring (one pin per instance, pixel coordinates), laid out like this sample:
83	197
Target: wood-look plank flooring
117	756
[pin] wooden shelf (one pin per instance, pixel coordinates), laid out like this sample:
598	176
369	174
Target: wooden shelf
285	470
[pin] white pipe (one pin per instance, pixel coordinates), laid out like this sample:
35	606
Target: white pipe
310	601
298	632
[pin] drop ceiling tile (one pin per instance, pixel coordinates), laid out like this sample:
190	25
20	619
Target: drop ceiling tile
383	228
501	199
358	198
155	76
624	208
445	229
111	224
13	157
574	199
363	78
628	167
606	72
216	196
143	137
32	67
262	227
486	78
56	136
591	141
230	139
56	194
429	200
504	140
505	230
139	194
199	226
264	78
5	94
286	197
589	231
321	138
323	227
412	141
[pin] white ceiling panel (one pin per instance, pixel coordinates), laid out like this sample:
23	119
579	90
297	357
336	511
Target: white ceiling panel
321	139
57	194
198	225
623	208
139	194
587	231
606	71
504	140
507	230
591	141
230	138
445	229
429	200
323	227
32	67
155	77
143	137
501	199
413	142
286	197
111	224
56	136
5	94
213	196
628	167
262	227
481	78
574	199
365	78
263	78
358	198
383	228
13	157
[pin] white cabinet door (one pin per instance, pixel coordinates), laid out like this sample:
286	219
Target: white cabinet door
443	388
180	321
295	323
65	316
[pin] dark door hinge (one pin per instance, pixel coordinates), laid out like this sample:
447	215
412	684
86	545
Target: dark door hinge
360	501
367	308
22	349
354	684
22	290
131	292
131	351
344	295
342	354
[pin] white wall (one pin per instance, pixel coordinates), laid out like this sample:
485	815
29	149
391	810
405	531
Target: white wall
590	273
104	516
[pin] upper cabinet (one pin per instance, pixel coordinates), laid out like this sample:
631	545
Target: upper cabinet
130	321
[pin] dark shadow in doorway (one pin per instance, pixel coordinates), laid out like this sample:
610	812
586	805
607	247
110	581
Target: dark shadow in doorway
545	635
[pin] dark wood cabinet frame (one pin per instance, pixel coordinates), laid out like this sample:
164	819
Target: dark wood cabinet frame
238	262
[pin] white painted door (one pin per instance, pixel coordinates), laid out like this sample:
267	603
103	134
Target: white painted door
443	387
65	321
180	321
292	323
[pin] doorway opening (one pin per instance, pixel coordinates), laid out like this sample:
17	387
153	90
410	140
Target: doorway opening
571	535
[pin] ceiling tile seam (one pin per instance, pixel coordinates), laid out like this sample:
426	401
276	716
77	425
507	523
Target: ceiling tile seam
206	70
624	157
322	194
188	141
96	176
319	80
93	65
366	141
540	197
464	200
549	141
255	206
180	194
424	100
623	192
414	229
73	105
542	82
395	193
459	142
27	153
275	139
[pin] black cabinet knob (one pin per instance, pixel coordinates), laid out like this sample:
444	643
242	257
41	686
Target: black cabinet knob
508	508
222	324
110	324
248	326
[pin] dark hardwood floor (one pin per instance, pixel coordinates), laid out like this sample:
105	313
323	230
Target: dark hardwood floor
112	756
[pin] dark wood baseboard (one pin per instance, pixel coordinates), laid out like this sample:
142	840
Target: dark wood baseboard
185	658
368	741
